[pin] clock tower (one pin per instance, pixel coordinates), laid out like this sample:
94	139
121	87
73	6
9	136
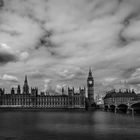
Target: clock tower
90	87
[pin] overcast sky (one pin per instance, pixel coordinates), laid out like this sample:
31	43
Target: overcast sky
55	42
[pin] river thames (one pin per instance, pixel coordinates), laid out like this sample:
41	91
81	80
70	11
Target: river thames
96	125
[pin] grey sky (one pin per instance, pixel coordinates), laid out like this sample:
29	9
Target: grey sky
54	42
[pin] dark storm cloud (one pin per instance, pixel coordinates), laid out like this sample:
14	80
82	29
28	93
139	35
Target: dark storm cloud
6	57
123	41
12	33
1	3
45	40
120	1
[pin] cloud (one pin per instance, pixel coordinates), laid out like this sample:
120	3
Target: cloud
9	78
6	54
47	84
1	3
6	57
134	79
24	55
38	75
60	40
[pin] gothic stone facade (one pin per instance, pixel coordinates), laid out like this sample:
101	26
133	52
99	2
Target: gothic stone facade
120	97
31	98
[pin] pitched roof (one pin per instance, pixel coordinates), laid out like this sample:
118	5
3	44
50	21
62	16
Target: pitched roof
114	94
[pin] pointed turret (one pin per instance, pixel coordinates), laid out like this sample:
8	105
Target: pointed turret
90	73
26	81
63	91
26	86
18	89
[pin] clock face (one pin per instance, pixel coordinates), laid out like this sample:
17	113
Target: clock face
90	82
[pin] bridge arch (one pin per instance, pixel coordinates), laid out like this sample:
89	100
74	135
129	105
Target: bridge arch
112	107
135	104
136	107
106	107
122	107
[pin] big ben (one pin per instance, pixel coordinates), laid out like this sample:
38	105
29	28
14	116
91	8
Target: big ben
90	88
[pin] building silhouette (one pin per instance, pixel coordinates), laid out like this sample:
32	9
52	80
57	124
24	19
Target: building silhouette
31	99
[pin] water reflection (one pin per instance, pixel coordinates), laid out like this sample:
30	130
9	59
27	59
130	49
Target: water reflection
68	125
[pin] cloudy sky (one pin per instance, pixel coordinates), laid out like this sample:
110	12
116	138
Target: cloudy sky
55	42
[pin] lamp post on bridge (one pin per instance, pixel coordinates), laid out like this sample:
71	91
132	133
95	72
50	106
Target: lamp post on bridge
115	109
130	109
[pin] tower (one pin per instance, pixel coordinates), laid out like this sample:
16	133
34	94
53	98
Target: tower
12	91
70	91
71	97
90	88
18	89
82	91
34	91
63	91
26	86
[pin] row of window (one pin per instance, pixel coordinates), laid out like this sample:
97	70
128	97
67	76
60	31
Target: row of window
44	106
39	102
112	100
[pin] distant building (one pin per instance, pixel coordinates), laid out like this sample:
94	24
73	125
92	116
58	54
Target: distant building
114	98
99	100
31	99
124	101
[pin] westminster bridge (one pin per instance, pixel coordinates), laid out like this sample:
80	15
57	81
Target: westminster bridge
122	101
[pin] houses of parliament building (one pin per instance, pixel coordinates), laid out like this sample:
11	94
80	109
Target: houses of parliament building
31	99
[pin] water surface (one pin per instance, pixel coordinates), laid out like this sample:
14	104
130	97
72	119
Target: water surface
96	125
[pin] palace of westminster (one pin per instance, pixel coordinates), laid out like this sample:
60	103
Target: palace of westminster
31	99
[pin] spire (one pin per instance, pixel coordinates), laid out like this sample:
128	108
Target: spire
62	90
90	72
25	86
26	81
18	89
